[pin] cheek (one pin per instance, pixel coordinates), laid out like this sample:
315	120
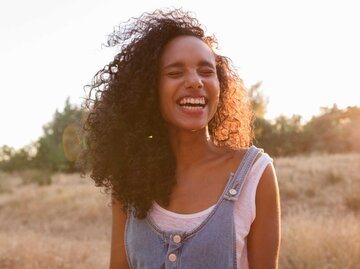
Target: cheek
216	89
167	89
216	94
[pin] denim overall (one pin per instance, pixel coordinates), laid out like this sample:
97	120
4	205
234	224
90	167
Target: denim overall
211	245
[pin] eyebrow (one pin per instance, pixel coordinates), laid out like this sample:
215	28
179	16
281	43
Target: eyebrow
180	64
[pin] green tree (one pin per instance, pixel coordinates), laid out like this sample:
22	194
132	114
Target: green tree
52	152
283	136
287	136
263	130
11	159
334	130
258	100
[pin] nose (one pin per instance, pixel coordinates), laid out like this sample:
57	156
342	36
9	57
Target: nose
193	81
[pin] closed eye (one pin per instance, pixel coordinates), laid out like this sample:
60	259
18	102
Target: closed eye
174	73
207	72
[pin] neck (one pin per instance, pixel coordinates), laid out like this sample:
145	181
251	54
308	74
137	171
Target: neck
191	147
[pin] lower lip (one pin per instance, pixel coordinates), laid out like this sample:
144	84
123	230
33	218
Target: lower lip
192	111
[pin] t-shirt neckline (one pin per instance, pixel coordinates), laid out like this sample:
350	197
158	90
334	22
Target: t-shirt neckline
182	216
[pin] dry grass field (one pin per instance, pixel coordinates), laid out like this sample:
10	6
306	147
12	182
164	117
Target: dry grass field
320	197
66	224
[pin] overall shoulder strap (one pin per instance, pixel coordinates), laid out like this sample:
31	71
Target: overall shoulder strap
234	189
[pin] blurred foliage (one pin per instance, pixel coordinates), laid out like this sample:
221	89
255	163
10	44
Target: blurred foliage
51	151
334	130
258	100
56	150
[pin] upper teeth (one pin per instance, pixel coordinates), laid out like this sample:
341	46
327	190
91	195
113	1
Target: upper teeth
189	100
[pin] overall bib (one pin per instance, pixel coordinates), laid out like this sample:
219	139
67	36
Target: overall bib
211	245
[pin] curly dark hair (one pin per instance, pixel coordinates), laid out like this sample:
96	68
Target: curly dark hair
126	136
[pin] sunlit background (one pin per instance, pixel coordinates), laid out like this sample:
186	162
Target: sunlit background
305	53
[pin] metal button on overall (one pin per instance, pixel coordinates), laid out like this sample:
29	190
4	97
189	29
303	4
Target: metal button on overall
177	238
232	191
172	257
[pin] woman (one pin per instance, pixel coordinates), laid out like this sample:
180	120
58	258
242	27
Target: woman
169	132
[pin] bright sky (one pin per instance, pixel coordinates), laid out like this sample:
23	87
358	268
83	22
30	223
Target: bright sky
306	53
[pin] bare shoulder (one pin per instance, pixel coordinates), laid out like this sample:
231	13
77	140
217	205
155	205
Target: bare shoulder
268	185
264	236
238	155
267	193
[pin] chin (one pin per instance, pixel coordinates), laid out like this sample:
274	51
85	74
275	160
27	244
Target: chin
194	129
188	126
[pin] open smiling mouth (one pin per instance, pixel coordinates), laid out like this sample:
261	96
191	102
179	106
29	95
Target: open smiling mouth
192	103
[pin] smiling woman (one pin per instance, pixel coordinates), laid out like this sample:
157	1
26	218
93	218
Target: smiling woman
189	88
169	133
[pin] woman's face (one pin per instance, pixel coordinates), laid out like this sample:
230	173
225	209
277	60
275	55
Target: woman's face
189	86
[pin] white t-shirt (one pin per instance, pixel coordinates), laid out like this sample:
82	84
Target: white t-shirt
244	212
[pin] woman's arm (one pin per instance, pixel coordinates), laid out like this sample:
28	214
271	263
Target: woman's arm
118	259
264	236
